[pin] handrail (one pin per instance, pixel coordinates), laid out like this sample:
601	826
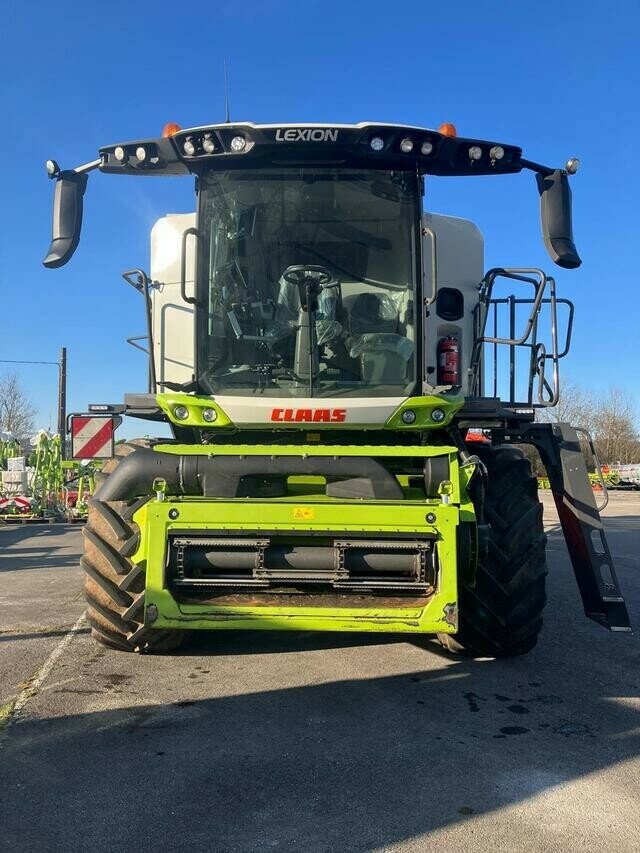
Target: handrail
139	280
427	231
183	266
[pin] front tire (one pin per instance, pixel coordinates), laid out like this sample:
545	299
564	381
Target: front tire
500	608
114	585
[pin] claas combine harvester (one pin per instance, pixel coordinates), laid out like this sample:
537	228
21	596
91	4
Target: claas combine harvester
323	350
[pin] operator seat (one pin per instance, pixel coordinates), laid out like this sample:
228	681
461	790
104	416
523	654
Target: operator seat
374	324
372	312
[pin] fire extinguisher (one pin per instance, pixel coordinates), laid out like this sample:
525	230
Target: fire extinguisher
448	361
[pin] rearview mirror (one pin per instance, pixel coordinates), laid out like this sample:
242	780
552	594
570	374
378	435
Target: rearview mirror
555	212
67	218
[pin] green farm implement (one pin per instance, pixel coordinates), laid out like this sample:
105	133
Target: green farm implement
47	488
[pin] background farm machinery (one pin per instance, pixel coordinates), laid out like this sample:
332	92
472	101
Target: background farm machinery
38	485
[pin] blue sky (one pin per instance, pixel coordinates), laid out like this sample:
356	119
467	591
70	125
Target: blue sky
557	78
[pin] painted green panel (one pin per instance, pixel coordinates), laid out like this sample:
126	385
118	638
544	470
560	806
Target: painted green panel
357	518
422	408
195	406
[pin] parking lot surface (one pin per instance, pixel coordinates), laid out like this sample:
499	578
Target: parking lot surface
315	742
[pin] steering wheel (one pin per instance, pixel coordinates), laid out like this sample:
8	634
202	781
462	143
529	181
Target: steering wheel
301	273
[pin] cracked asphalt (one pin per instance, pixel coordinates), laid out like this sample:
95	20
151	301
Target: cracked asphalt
315	742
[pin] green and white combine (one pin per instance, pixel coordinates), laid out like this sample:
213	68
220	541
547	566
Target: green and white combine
321	348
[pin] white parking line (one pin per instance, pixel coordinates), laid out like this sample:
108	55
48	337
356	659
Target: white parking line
33	684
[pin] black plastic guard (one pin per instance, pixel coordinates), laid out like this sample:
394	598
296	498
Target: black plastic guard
560	451
222	476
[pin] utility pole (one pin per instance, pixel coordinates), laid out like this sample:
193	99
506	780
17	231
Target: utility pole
62	403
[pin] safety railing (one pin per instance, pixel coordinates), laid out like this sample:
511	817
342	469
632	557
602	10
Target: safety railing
543	375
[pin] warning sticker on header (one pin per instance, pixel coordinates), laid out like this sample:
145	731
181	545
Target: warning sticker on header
303	513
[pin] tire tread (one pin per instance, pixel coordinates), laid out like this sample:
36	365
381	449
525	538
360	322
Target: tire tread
114	584
500	609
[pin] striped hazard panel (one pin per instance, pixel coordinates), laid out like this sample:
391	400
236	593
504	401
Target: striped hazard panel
92	436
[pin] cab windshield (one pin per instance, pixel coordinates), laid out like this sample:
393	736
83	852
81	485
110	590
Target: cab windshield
308	276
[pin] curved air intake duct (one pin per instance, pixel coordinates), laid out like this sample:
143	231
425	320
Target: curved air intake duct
233	476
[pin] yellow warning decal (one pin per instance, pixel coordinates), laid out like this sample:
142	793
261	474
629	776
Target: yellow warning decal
303	513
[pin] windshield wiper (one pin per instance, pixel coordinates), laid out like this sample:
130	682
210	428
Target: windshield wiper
186	387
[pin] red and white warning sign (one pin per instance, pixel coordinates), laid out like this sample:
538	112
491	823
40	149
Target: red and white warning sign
21	503
92	436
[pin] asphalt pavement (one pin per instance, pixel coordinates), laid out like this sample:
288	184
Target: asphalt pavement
314	742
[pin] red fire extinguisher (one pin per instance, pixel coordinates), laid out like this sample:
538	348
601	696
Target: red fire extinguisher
448	361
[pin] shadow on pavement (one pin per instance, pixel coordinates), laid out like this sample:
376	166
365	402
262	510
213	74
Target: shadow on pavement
213	643
339	766
12	533
47	557
34	547
37	635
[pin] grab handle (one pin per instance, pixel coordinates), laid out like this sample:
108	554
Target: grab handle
183	266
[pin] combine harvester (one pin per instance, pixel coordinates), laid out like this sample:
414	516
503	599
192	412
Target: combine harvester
320	346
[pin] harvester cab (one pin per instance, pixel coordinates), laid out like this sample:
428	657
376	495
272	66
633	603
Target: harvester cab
320	346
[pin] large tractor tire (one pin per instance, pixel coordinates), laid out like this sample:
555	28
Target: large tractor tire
500	608
113	584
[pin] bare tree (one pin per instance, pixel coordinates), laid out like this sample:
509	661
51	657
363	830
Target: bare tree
609	419
576	407
16	410
615	434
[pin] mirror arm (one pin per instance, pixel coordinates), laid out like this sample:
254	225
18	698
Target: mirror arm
537	167
87	167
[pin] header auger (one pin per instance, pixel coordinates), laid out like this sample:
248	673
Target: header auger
321	346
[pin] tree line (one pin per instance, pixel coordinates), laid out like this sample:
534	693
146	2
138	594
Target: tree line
609	417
